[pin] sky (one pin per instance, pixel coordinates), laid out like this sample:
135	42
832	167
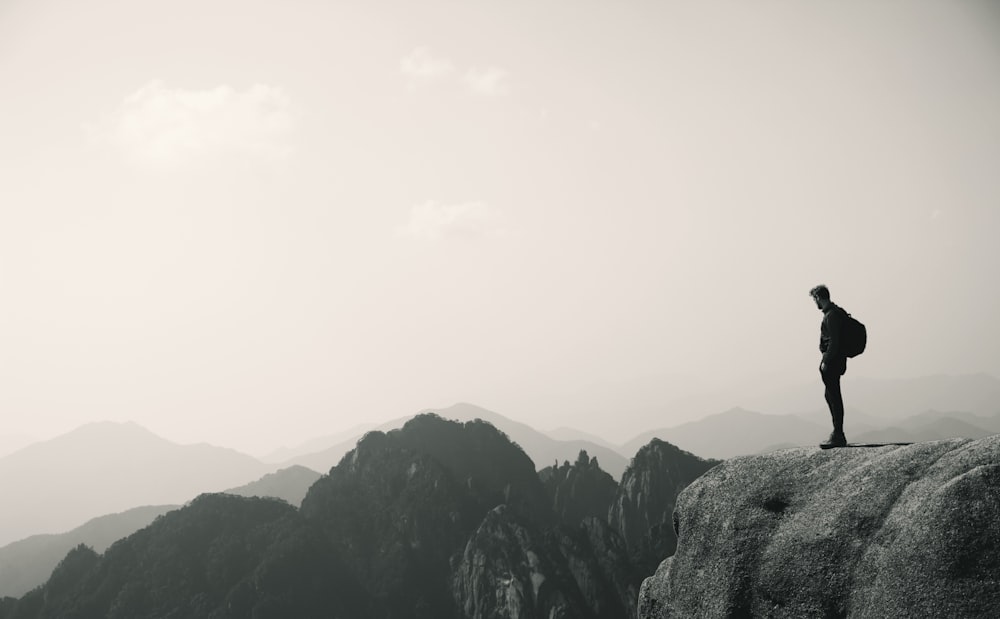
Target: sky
254	222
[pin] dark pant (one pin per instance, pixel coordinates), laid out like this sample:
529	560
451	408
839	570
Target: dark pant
834	399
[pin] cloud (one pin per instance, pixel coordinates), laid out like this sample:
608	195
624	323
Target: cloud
162	127
423	67
491	82
432	220
420	66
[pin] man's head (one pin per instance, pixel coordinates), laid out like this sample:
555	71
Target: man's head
821	295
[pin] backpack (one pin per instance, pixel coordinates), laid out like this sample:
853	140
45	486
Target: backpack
855	336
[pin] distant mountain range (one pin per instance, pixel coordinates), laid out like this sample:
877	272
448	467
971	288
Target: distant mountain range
104	468
540	447
435	519
9	443
903	410
314	445
740	432
934	425
27	563
289	485
790	417
887	399
734	432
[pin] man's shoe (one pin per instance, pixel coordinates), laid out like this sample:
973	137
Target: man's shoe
835	440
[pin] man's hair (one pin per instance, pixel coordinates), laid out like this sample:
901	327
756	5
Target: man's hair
820	292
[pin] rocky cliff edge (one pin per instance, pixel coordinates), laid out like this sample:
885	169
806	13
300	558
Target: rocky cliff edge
894	531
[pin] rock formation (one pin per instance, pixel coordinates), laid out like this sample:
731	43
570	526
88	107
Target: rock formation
579	490
642	507
905	531
510	570
437	519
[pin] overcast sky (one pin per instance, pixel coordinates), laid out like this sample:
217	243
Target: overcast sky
250	222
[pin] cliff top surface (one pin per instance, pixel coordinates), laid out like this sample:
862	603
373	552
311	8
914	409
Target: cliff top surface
893	531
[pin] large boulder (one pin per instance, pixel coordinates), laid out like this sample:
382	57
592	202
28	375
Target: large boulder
894	531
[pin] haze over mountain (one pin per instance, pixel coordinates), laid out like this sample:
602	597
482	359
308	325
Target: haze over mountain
740	432
319	443
253	223
540	447
572	434
978	394
100	464
102	468
872	405
289	484
734	432
27	563
436	520
932	426
9	443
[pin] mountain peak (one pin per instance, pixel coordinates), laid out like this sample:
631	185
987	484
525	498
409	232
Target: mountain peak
104	467
737	410
111	426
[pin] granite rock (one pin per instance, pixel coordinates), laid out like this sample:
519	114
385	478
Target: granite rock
894	531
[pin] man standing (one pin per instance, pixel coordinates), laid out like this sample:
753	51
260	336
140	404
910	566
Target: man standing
834	363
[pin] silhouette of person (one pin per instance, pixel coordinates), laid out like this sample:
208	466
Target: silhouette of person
834	363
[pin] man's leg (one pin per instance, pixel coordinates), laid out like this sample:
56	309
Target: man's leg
834	399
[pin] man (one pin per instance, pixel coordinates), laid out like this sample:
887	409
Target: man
834	363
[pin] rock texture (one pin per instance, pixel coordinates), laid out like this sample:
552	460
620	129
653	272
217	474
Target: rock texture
907	531
641	509
580	490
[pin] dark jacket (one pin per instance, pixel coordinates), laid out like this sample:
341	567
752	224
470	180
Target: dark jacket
831	334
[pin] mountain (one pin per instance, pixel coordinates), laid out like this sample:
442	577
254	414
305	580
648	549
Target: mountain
741	432
27	563
957	424
424	487
103	468
318	444
892	399
509	569
735	432
914	431
578	491
9	443
644	504
290	485
542	449
222	556
437	519
572	434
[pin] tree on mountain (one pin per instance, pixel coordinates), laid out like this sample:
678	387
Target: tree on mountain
430	520
579	490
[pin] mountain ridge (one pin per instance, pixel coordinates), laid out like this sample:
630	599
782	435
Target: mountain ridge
109	467
436	519
27	563
541	448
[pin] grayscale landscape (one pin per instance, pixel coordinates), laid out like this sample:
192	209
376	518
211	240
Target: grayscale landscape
468	310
